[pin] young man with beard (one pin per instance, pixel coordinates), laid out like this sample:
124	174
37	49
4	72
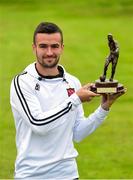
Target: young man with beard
47	107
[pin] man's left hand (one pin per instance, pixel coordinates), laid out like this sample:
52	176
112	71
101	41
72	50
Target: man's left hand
109	99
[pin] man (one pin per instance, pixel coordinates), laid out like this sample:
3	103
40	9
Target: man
46	104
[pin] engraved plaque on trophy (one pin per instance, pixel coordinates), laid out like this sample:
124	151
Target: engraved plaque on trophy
104	85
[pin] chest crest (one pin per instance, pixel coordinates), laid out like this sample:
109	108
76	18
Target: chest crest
70	91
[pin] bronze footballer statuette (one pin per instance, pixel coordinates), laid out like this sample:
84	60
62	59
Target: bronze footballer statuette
104	85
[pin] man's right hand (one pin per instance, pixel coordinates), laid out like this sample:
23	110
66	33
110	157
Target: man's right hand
85	94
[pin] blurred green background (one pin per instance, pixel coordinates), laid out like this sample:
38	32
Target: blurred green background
108	152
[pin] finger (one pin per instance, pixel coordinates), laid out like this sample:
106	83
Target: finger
116	95
121	92
87	86
92	94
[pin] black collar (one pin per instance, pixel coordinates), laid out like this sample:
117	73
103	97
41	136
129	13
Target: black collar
60	75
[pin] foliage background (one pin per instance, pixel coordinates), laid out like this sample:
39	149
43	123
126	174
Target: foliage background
107	153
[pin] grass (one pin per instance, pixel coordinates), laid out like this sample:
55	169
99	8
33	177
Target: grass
107	153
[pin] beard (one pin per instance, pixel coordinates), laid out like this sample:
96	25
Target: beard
48	61
48	64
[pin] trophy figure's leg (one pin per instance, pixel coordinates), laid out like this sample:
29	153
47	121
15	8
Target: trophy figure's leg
103	77
114	63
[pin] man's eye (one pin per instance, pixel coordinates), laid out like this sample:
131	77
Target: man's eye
43	46
55	46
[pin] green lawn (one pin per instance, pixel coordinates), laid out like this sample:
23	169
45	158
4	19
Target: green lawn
108	152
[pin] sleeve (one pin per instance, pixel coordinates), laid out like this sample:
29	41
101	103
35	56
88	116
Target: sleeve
26	106
85	126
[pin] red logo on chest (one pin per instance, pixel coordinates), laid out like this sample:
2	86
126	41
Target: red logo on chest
70	91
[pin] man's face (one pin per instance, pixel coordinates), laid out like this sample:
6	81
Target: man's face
48	48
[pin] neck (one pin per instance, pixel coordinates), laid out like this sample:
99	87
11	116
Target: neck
44	71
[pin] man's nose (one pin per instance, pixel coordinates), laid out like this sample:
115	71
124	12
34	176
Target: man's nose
49	51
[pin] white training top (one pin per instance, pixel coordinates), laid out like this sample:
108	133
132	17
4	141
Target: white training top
48	118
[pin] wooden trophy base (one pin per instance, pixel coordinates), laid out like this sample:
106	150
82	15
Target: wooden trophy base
106	86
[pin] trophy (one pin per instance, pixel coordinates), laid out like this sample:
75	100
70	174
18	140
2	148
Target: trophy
103	85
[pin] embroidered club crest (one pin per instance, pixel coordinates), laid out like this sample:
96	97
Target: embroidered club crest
70	91
37	87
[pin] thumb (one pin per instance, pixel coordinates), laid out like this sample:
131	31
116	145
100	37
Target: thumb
87	86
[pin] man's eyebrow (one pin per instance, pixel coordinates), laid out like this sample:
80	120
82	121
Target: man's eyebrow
48	44
52	45
42	44
55	45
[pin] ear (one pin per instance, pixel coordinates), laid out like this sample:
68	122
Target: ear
34	48
62	47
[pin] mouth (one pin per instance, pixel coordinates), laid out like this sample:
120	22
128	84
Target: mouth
49	58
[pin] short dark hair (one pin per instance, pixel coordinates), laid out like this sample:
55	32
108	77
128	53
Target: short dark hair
48	28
